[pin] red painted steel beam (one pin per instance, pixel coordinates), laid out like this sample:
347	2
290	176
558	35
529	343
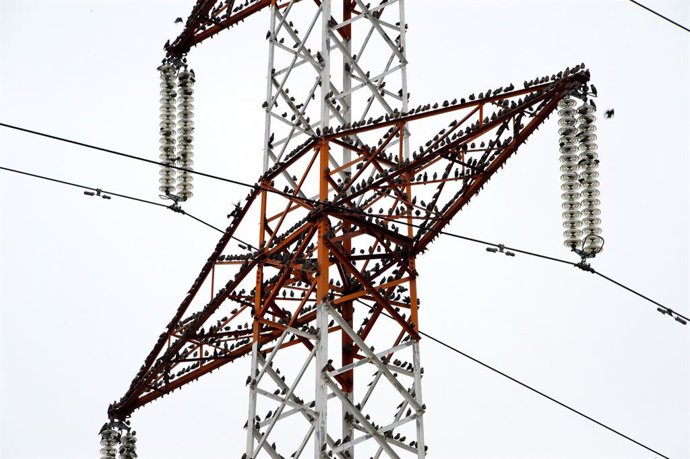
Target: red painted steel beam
520	137
407	118
193	34
191	294
202	25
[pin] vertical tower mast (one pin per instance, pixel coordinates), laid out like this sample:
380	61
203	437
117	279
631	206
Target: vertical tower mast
310	50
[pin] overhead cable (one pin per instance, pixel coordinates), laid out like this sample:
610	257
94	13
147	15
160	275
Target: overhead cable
104	193
586	267
527	386
660	15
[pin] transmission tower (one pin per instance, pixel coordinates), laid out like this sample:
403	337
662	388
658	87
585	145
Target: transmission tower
323	297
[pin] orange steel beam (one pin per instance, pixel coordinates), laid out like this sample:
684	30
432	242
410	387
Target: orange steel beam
322	288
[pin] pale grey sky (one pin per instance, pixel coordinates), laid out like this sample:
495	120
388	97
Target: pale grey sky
86	285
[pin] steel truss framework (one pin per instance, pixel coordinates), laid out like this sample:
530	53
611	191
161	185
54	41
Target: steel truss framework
329	281
304	95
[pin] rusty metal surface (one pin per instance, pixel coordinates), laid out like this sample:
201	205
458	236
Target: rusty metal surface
210	17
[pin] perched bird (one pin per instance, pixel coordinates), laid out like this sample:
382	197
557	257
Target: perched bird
609	113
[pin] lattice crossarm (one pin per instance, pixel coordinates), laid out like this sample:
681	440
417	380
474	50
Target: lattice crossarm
208	18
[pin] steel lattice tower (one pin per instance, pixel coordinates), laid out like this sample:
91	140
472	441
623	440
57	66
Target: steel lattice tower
324	298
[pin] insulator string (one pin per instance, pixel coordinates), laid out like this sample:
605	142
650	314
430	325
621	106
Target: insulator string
185	138
128	447
168	153
569	172
110	438
588	164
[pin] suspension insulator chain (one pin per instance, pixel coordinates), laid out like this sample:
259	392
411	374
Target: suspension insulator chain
185	138
569	172
167	128
128	448
110	438
588	165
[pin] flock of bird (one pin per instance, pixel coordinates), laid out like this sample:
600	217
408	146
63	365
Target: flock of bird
443	139
467	156
466	159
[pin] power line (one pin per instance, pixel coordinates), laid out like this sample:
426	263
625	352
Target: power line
84	187
126	155
104	193
660	15
458	236
492	244
661	308
583	266
537	391
438	341
526	386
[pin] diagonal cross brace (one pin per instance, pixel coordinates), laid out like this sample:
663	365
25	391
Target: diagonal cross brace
375	360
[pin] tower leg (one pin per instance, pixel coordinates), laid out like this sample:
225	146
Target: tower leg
421	447
251	412
321	389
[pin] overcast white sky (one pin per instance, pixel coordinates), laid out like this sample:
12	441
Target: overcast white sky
86	285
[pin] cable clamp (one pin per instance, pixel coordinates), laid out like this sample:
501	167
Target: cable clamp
500	248
175	207
172	197
589	253
98	192
584	266
663	310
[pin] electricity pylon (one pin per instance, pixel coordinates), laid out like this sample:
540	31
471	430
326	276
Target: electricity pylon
321	295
